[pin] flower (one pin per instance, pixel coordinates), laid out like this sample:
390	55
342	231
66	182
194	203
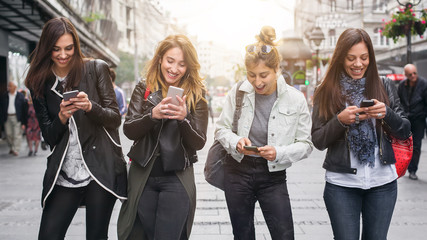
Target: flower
404	22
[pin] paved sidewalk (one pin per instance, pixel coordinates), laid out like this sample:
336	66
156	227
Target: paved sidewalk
20	210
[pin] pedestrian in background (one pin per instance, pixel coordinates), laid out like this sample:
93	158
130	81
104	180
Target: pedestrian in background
32	129
86	167
13	112
360	171
162	199
413	96
120	95
275	119
209	99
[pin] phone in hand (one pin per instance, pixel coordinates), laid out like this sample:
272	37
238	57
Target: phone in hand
367	103
173	92
71	94
251	148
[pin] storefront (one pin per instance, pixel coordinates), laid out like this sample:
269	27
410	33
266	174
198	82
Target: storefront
21	24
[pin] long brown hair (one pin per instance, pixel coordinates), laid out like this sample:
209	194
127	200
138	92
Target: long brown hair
40	69
191	82
328	96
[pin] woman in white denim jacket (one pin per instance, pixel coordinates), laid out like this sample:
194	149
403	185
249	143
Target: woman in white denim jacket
280	127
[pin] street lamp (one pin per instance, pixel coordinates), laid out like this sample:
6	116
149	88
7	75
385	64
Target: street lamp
317	37
408	29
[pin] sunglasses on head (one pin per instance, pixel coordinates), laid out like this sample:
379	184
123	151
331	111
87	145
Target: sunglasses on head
264	49
410	74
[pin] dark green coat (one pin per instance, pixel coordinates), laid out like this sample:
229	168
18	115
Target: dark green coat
128	226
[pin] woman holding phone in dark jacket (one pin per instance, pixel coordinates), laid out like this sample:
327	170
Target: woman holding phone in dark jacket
162	191
86	166
360	171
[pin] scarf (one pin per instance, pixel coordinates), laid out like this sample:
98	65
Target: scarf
362	136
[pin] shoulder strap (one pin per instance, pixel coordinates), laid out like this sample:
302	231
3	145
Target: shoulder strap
147	92
238	110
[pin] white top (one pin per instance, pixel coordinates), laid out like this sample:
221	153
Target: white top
11	108
73	171
366	177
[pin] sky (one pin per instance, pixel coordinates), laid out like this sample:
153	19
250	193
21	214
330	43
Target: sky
232	23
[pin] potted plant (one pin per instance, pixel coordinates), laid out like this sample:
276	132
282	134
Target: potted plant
405	22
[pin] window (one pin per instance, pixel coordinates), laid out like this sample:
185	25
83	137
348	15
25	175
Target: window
332	38
350	5
379	5
333	4
378	39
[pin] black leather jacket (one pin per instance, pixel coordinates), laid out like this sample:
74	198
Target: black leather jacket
145	130
331	134
97	131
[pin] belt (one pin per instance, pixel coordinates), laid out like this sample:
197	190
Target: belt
250	159
11	114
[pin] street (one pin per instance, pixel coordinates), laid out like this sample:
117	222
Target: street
21	183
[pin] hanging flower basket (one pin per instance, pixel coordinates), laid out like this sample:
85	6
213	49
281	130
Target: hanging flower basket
405	22
420	27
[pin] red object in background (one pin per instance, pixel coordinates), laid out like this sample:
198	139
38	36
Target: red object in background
396	77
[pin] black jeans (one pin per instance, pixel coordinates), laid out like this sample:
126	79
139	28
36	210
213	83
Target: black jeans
163	208
62	205
417	127
251	181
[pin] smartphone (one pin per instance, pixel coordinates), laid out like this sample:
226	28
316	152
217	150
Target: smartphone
71	94
251	148
173	92
367	103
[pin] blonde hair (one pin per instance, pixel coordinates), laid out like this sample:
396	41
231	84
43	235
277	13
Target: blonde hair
266	36
191	82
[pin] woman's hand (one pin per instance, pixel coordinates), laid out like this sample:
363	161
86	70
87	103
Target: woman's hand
165	109
82	102
268	152
377	111
240	146
351	115
66	110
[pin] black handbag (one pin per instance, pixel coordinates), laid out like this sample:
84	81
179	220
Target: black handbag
217	155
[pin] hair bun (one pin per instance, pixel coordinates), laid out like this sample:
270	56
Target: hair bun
267	35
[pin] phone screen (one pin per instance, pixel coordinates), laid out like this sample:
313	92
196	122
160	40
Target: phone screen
251	148
367	103
172	92
71	94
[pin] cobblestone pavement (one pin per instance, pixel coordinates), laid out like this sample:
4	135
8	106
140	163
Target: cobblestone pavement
20	210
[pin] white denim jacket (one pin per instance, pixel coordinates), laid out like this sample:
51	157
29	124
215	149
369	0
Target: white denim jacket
289	124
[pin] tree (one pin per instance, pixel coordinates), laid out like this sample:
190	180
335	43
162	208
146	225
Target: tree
125	68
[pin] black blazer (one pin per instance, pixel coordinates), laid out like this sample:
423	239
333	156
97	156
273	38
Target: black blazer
416	107
20	106
97	130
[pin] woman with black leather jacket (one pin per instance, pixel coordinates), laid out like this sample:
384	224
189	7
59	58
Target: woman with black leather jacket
360	172
86	166
162	191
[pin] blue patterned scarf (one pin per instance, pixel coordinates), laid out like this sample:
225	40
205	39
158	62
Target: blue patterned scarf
362	136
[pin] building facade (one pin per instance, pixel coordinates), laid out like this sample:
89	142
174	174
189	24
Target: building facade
21	24
334	16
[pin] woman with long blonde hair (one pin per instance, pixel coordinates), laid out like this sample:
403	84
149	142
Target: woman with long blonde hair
162	191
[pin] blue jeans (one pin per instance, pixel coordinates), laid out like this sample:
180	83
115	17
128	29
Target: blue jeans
345	205
248	182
